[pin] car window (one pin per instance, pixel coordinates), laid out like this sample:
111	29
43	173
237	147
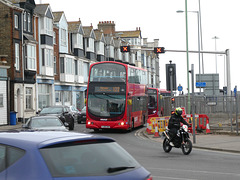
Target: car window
9	155
2	157
94	159
73	108
45	122
66	109
51	110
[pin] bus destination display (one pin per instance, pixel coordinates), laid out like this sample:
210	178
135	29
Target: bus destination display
107	89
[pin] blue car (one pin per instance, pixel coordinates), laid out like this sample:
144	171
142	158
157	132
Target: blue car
58	155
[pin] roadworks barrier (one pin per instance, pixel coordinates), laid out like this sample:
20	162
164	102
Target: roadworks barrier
157	125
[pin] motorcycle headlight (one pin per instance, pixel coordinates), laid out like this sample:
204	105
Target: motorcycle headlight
185	128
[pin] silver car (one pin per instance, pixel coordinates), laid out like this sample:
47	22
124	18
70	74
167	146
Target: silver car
45	123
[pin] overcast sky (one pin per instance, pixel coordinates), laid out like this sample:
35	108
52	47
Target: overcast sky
158	20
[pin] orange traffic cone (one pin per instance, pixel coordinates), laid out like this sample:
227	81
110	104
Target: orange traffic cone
207	127
156	134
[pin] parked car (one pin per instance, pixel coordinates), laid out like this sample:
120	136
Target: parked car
52	155
45	123
75	112
82	117
62	112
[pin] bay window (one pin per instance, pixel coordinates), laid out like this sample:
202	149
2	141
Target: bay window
69	66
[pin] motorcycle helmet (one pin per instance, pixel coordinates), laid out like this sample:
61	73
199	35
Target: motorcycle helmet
178	111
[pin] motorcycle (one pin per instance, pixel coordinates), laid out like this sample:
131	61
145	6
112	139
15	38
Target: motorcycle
181	140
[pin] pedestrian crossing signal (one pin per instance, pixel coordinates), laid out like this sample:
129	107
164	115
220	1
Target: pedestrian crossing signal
173	100
158	50
125	48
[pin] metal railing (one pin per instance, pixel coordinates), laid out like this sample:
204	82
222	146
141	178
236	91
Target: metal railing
218	108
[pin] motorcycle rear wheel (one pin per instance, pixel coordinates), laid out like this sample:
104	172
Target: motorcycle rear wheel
166	146
187	147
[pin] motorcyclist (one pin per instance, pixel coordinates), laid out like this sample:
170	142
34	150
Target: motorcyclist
174	123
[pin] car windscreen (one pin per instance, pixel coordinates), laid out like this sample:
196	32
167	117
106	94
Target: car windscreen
46	122
93	158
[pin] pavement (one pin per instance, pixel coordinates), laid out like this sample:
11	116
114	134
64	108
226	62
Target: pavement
216	140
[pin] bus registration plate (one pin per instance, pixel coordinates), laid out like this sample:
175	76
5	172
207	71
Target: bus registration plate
105	126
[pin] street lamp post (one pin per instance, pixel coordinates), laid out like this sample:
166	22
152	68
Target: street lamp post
199	56
186	21
215	37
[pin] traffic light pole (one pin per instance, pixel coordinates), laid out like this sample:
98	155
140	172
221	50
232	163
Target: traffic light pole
171	83
193	105
226	52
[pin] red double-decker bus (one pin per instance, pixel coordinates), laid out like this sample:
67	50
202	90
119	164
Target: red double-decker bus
155	101
116	96
154	108
164	92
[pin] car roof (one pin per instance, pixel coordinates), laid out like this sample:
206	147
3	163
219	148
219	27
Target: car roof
45	117
56	106
40	139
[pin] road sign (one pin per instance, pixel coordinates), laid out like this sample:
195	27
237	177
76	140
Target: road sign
200	84
180	88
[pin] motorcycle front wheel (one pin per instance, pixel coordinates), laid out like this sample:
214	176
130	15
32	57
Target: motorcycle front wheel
187	147
166	146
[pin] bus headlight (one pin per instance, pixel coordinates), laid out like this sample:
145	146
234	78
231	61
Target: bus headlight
121	123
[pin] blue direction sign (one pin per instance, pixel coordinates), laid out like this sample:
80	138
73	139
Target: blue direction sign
180	88
200	84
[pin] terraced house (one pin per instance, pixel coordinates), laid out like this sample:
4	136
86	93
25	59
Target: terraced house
45	58
20	43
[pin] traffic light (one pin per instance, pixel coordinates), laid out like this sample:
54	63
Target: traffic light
158	50
125	48
173	100
171	77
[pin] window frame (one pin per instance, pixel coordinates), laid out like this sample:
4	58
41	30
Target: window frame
16	21
17	56
29	22
63	37
1	100
29	98
31	57
25	21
